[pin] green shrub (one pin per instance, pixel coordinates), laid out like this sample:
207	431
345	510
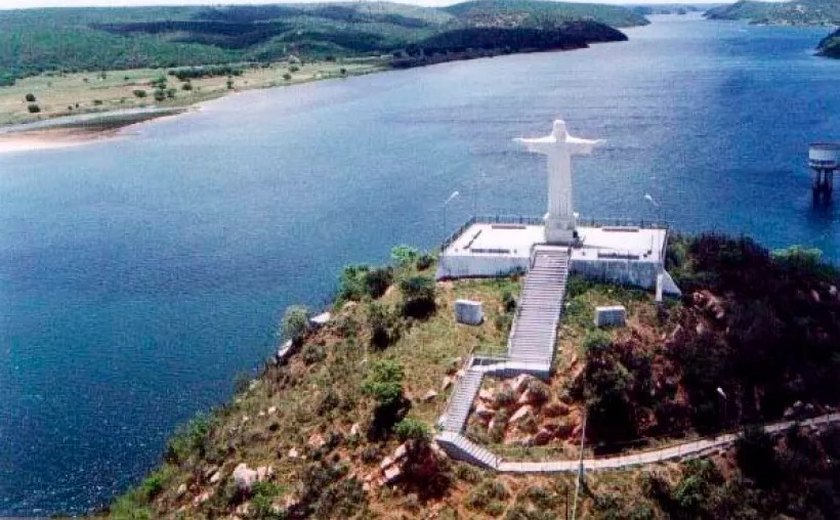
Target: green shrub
596	340
418	296
505	396
412	429
293	68
186	86
189	438
384	382
97	102
403	256
540	391
360	280
33	108
159	94
295	322
485	494
287	76
384	325
312	353
140	93
424	261
30	98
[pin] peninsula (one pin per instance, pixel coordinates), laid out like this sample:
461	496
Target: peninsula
532	367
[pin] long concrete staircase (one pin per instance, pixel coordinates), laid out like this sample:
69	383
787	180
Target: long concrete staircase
530	349
534	334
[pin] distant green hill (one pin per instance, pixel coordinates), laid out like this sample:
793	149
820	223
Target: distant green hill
530	13
74	39
798	12
830	45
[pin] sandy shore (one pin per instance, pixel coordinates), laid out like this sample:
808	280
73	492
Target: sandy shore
50	138
82	130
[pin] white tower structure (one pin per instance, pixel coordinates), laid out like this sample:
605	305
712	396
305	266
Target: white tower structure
824	159
559	147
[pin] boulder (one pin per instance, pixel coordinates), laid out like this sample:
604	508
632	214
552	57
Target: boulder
201	498
210	471
392	473
244	478
484	412
486	396
272	410
217	476
355	429
387	461
293	453
182	489
316	440
542	437
400	452
429	396
264	473
520	384
521	413
447	382
555	409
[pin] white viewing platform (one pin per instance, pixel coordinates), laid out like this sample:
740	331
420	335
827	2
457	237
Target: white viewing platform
614	251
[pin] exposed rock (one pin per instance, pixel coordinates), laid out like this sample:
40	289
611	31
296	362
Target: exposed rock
392	474
244	478
521	413
209	471
272	410
555	409
485	395
264	473
484	412
293	453
542	437
400	452
354	430
815	296
182	489
261	413
832	290
387	461
460	373
217	476
520	384
447	382
201	498
429	396
316	440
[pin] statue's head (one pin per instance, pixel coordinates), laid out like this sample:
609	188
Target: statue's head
559	129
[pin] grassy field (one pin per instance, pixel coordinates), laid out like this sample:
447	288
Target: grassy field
84	92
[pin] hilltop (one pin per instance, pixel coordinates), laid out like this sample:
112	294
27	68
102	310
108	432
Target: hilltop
798	12
339	424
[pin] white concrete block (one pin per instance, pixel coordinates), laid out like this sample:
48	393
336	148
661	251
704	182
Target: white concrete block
469	312
319	320
610	316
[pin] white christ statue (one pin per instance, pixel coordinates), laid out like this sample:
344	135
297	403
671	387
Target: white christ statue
559	147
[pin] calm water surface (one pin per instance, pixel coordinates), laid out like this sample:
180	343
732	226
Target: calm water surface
138	276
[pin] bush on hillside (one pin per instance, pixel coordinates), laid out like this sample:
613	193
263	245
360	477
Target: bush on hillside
30	98
360	280
295	323
403	256
418	296
33	108
384	325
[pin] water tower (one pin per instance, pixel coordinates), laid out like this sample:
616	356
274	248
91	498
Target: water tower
824	159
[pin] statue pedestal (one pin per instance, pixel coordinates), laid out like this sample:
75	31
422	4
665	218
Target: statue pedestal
559	231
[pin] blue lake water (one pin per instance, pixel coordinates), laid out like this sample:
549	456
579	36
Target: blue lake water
138	276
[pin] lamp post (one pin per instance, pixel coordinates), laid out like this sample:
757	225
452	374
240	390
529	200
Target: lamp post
725	399
454	195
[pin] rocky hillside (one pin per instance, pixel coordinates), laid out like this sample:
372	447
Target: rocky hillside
339	424
830	45
796	12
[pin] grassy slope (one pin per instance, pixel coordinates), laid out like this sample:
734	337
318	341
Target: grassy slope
532	13
801	12
319	394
